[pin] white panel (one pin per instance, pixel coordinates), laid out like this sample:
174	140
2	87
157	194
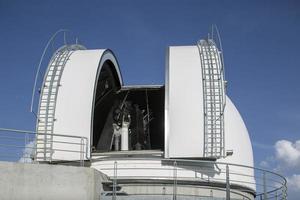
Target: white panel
184	103
74	108
184	114
238	140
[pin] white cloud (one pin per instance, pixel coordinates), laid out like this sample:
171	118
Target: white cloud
28	153
288	154
294	182
264	164
286	161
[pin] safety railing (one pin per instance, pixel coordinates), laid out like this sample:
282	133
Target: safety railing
237	181
60	39
21	146
214	93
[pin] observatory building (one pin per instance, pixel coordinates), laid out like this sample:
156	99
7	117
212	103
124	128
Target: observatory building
181	140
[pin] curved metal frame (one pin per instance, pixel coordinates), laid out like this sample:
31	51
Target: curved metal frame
12	135
51	41
219	46
48	93
214	98
268	184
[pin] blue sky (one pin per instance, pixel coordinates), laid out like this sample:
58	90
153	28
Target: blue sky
260	41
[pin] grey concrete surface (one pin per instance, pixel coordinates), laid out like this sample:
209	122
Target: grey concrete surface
48	182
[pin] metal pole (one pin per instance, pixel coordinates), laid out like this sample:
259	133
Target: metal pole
227	183
265	186
148	120
35	150
65	39
81	152
175	181
40	64
87	149
115	181
284	192
25	149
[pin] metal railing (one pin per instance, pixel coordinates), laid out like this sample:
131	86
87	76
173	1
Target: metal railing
61	38
214	93
21	146
235	180
214	98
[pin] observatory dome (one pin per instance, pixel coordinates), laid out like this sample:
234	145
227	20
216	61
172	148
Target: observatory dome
144	132
237	137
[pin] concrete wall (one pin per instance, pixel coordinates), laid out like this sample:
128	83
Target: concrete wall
41	181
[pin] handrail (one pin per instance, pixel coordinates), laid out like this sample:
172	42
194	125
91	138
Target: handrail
214	104
77	145
270	186
214	27
200	162
38	70
219	46
34	133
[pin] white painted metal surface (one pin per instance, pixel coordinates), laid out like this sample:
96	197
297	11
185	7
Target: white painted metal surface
47	104
184	119
184	125
75	101
74	109
237	139
184	103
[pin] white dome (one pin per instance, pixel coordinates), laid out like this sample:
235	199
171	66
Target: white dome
73	109
236	137
74	103
185	117
184	111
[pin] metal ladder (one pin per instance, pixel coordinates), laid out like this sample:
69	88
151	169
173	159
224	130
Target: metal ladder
214	98
47	104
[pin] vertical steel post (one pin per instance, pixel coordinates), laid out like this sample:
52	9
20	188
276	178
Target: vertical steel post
87	149
175	180
265	186
227	183
115	181
81	152
65	39
25	149
51	147
284	192
35	148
